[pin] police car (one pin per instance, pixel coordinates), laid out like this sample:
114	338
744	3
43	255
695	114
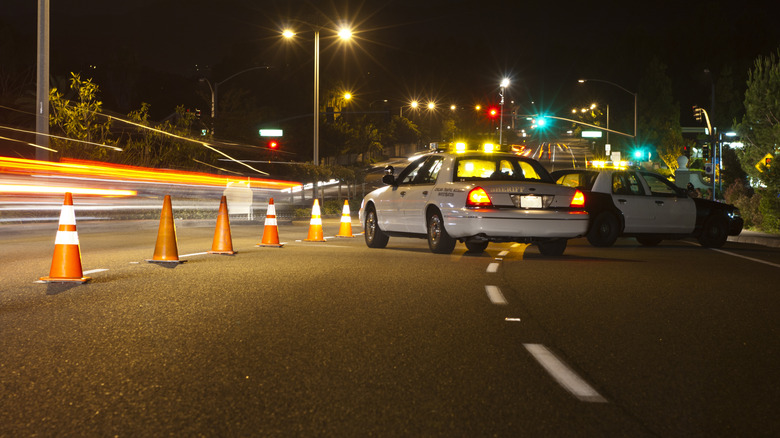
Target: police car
647	206
474	197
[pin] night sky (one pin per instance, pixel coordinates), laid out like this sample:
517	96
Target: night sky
446	50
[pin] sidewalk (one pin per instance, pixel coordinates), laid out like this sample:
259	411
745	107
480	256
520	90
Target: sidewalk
754	237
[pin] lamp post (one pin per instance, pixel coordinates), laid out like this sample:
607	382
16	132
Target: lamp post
344	34
504	84
215	89
582	81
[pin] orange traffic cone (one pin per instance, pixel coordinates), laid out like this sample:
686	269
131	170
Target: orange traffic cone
165	250
66	262
223	242
345	230
271	230
315	225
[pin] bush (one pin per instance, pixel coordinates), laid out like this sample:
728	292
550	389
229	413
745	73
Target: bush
769	208
746	201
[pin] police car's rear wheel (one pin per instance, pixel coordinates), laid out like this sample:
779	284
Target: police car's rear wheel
553	247
648	240
604	230
439	240
476	245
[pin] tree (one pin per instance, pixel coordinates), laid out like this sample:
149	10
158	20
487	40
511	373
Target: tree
80	119
166	144
760	127
659	122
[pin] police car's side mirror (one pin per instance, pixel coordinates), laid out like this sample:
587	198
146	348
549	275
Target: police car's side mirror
388	178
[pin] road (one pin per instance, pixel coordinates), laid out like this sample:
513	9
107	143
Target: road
335	339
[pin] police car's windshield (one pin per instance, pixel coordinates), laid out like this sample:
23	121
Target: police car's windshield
498	168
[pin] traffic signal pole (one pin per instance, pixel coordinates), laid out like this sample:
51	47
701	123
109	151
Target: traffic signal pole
711	155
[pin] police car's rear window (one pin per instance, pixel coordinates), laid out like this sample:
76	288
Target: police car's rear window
498	168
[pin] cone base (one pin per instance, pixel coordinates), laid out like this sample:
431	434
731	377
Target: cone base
271	245
314	240
64	280
165	262
343	236
223	252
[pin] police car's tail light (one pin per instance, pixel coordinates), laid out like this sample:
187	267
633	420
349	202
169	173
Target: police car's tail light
478	197
578	200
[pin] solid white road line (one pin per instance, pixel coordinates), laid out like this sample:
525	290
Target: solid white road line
746	257
495	295
562	374
193	254
492	268
93	271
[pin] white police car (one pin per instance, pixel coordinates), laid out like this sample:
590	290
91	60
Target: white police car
647	206
475	197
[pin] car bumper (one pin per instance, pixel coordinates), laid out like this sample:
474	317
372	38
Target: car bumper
517	223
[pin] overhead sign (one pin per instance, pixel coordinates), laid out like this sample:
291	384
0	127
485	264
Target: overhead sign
270	133
765	162
591	134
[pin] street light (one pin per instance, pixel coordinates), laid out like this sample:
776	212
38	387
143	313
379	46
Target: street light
582	81
344	34
215	89
504	84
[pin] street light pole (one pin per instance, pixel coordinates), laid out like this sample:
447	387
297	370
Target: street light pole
504	84
215	91
582	81
316	158
42	93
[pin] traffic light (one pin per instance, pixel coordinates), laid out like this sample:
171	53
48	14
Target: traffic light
273	144
697	113
493	112
705	151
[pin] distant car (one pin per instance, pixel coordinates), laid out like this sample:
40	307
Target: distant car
647	206
474	198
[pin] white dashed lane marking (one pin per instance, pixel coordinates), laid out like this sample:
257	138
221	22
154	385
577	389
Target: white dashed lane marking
495	295
564	375
492	268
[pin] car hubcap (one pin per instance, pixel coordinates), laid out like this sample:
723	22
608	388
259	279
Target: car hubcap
371	225
435	230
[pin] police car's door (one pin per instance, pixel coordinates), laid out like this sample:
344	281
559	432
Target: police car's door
417	193
631	197
674	212
389	204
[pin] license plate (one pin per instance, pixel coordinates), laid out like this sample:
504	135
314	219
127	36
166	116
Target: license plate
530	201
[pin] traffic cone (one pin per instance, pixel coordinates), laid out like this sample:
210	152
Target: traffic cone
223	242
66	262
165	250
271	230
315	225
345	230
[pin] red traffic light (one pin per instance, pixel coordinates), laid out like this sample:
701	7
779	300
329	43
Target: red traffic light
273	144
493	112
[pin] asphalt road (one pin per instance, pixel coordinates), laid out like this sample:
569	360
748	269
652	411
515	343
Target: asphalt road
335	339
